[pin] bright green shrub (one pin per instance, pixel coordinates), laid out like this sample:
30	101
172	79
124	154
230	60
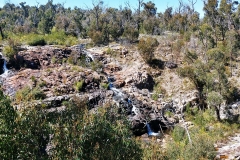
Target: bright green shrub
9	51
104	85
79	86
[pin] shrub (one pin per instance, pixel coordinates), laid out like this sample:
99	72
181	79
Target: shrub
10	49
187	36
27	94
37	41
104	85
103	135
96	36
178	134
131	33
201	147
96	66
147	47
79	86
9	52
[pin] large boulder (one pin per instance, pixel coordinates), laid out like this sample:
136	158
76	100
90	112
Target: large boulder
40	57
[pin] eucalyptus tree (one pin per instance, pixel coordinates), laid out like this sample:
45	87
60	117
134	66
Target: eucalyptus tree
150	21
212	16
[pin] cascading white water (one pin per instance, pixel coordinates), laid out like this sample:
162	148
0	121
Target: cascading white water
5	69
84	51
89	55
150	132
5	66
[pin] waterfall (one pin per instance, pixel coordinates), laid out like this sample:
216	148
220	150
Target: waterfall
82	48
5	70
150	132
5	67
89	55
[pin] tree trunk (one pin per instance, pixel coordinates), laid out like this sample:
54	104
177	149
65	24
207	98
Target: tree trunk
1	32
217	109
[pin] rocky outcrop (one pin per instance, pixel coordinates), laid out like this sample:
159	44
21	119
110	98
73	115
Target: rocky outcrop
129	87
41	57
230	149
170	65
58	81
230	112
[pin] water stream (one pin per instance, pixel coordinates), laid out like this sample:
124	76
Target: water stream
121	99
5	70
150	132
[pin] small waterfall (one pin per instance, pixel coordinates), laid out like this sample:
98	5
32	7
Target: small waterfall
89	55
5	69
150	132
82	49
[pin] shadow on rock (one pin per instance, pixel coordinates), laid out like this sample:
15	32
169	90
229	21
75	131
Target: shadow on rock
157	64
146	83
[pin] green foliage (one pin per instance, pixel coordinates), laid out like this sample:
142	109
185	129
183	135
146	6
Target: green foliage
28	94
79	86
11	48
147	47
59	37
109	51
187	36
37	41
203	118
215	55
201	148
149	25
54	38
205	35
77	134
214	99
130	33
96	66
104	135
104	85
9	52
178	134
190	57
97	37
158	89
7	121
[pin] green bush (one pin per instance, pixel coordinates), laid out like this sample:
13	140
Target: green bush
104	85
187	36
201	147
146	48
103	135
96	65
9	51
79	86
27	94
178	134
130	33
97	37
37	41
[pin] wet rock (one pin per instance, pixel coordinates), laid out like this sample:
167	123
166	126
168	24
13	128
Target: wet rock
170	65
1	65
119	83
